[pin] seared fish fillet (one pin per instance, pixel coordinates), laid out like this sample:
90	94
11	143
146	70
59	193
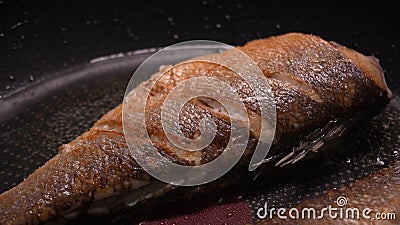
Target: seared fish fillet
377	191
320	88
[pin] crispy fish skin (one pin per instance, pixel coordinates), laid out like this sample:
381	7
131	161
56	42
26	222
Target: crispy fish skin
313	81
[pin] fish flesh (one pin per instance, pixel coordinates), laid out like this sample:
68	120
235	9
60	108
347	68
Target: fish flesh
320	88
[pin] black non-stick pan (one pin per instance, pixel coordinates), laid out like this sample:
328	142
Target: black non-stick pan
65	64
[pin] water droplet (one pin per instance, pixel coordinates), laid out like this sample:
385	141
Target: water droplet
278	26
227	16
379	161
31	78
169	19
88	22
11	77
8	87
348	160
229	215
176	36
63	29
22	37
205	2
65	42
1	34
218	25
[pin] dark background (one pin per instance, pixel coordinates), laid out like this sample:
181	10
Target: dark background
41	37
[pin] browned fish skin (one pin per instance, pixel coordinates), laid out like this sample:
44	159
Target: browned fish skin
313	81
95	160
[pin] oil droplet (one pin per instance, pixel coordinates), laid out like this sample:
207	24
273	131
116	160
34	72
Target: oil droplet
11	77
278	26
379	161
205	2
218	25
229	215
227	16
1	34
176	36
348	160
31	78
170	21
16	25
317	68
8	87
